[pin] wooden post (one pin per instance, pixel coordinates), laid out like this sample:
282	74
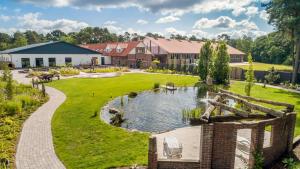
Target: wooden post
253	106
152	153
289	107
210	109
231	109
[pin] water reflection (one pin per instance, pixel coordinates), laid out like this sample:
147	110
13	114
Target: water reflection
160	110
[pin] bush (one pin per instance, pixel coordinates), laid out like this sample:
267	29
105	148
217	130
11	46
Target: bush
27	101
272	77
68	71
12	107
132	94
156	85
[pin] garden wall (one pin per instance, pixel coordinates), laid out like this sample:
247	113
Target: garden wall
219	140
239	74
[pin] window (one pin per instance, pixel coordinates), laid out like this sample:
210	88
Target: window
119	50
140	50
25	62
52	62
68	61
39	62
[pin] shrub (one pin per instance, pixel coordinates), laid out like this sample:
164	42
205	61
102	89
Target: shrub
289	163
132	94
258	160
69	71
27	101
156	85
12	107
9	87
272	77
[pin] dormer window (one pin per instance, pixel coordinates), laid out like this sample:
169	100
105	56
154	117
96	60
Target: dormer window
107	49
119	50
140	50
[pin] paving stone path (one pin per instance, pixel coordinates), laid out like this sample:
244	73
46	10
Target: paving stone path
35	149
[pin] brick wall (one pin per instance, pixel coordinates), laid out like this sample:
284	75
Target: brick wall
224	144
178	165
218	144
145	58
119	61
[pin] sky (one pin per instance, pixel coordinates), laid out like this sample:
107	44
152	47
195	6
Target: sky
202	18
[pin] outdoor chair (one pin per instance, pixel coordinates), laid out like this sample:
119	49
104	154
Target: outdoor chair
172	147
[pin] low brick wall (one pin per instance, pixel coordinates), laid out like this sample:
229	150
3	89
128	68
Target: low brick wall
218	144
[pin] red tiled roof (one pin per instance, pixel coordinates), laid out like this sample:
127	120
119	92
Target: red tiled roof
125	47
185	46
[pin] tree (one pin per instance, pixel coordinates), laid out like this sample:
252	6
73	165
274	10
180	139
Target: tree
285	16
249	76
205	60
221	64
19	39
33	37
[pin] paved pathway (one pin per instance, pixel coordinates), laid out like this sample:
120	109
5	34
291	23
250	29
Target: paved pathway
35	148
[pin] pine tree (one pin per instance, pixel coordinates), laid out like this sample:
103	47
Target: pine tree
221	64
249	76
205	60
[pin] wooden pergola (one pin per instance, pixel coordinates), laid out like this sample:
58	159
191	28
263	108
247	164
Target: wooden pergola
249	106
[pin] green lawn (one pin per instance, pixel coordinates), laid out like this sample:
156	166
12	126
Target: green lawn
83	141
266	67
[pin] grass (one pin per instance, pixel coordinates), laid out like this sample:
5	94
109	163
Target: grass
271	94
266	67
82	140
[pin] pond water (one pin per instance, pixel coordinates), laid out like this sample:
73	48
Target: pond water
157	111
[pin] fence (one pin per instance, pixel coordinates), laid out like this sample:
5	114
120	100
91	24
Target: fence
239	74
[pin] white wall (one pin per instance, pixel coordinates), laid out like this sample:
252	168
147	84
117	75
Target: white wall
77	59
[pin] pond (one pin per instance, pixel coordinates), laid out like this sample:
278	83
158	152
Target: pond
157	111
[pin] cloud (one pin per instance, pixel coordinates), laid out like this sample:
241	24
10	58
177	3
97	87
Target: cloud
152	5
166	7
220	22
172	30
244	32
32	21
238	11
252	11
110	22
167	19
142	22
4	18
200	34
224	22
264	15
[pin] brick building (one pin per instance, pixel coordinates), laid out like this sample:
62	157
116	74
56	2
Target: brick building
132	54
182	52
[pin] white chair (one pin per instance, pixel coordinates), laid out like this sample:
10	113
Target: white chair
172	147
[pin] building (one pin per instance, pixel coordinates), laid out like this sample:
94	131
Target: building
132	54
51	54
182	52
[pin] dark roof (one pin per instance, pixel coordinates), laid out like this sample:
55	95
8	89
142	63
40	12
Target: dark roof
57	47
